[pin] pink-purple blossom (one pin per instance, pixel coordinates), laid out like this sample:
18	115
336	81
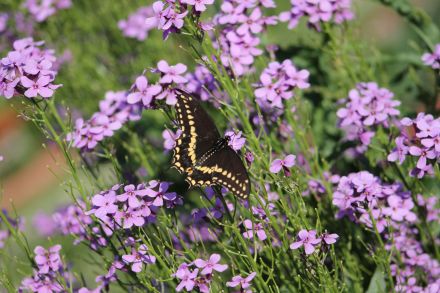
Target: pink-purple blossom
432	59
317	12
42	9
199	5
171	73
252	229
283	164
170	138
244	283
143	92
48	259
307	239
139	23
236	141
210	265
138	258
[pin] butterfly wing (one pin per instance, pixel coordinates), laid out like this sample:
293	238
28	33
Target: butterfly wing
199	132
227	169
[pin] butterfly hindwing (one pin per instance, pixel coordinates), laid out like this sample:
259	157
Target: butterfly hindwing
228	170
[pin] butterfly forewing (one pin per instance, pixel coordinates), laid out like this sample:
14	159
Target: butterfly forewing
197	127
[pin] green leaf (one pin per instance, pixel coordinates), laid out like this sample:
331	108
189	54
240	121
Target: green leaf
377	282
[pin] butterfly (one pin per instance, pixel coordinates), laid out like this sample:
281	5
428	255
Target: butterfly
204	155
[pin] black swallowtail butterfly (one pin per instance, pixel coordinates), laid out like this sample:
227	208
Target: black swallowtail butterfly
203	154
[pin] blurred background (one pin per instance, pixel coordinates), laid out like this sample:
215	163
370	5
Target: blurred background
97	58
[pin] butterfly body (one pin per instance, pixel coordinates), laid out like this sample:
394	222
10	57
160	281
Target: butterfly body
203	154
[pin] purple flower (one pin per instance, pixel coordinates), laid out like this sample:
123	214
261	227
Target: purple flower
170	138
144	93
307	239
171	73
41	10
48	259
254	229
139	23
236	141
202	83
244	283
210	265
400	209
44	224
158	192
432	59
423	155
138	258
199	5
317	11
128	218
399	152
38	87
188	279
104	204
286	163
329	238
131	195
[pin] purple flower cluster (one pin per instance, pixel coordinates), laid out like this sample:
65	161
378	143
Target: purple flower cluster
366	108
199	277
49	269
42	9
124	207
413	269
114	111
365	199
244	283
167	17
277	83
28	70
240	24
432	59
202	83
309	240
145	94
419	138
51	273
317	12
138	24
